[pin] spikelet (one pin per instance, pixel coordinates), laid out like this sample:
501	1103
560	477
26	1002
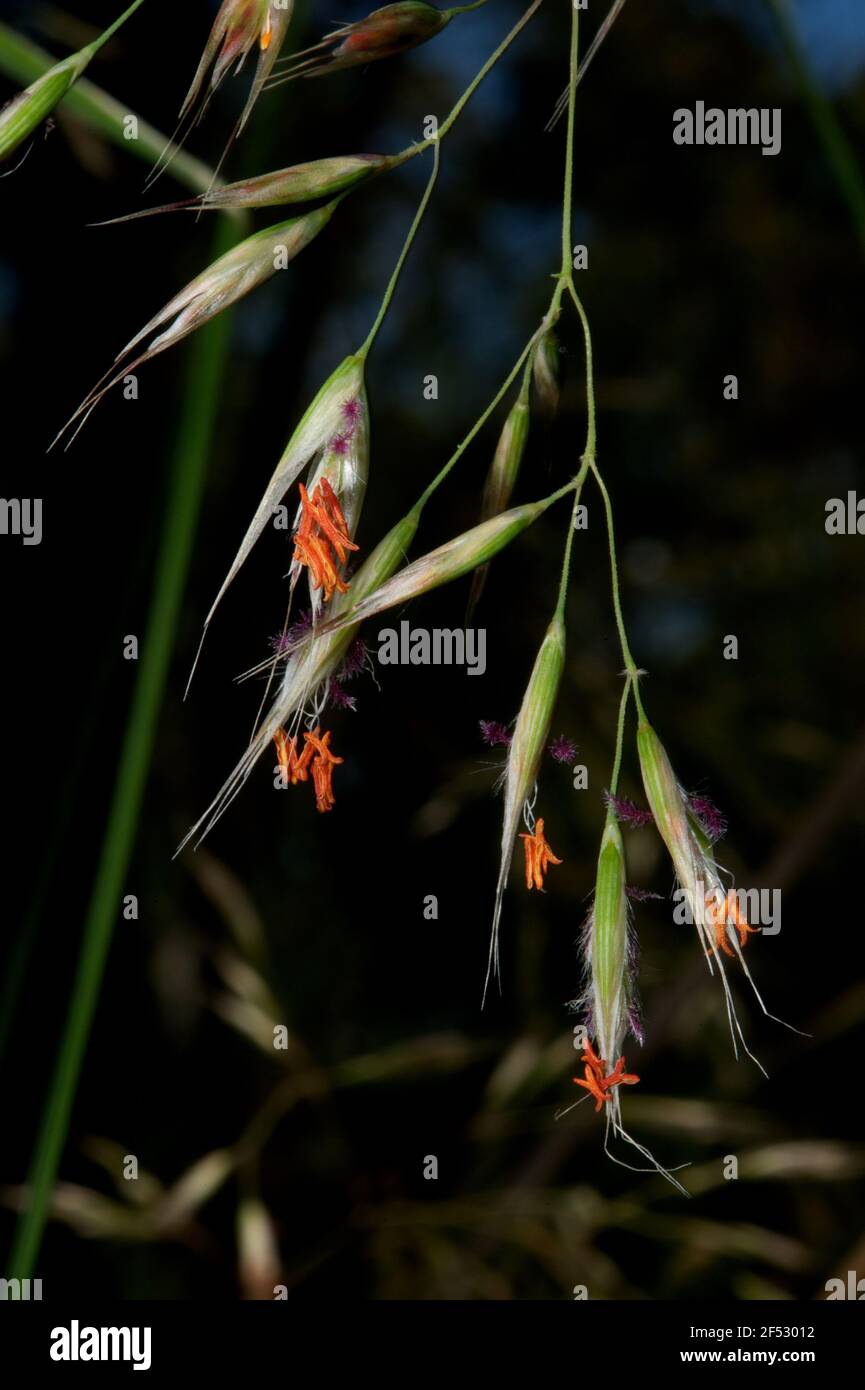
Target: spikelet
545	374
301	183
321	424
303	685
524	756
382	34
450	561
239	27
609	1002
500	481
720	931
607	950
343	464
222	284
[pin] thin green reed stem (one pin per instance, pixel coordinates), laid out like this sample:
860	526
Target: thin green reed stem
112	28
591	407
590	451
839	152
566	562
487	67
631	668
620	737
407	245
435	142
23	61
479	423
565	279
453	115
208	357
568	195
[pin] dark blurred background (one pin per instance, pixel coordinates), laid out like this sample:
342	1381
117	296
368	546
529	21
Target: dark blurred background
702	262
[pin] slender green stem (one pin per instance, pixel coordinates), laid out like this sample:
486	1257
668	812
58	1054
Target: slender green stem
566	562
620	735
407	245
106	34
480	422
565	280
412	150
568	196
591	408
631	669
590	450
435	141
24	62
208	359
487	67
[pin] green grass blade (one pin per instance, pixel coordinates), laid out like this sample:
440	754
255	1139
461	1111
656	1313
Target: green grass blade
23	61
186	485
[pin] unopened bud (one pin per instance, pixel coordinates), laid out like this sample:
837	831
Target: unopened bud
545	371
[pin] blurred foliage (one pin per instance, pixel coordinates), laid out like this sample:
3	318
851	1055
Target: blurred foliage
309	1161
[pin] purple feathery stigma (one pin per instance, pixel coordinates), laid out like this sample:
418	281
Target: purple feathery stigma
627	811
562	749
339	698
339	444
635	1023
711	819
642	895
493	733
354	661
282	642
351	411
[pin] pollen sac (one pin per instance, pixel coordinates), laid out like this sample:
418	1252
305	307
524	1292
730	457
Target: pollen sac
539	856
322	541
344	460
